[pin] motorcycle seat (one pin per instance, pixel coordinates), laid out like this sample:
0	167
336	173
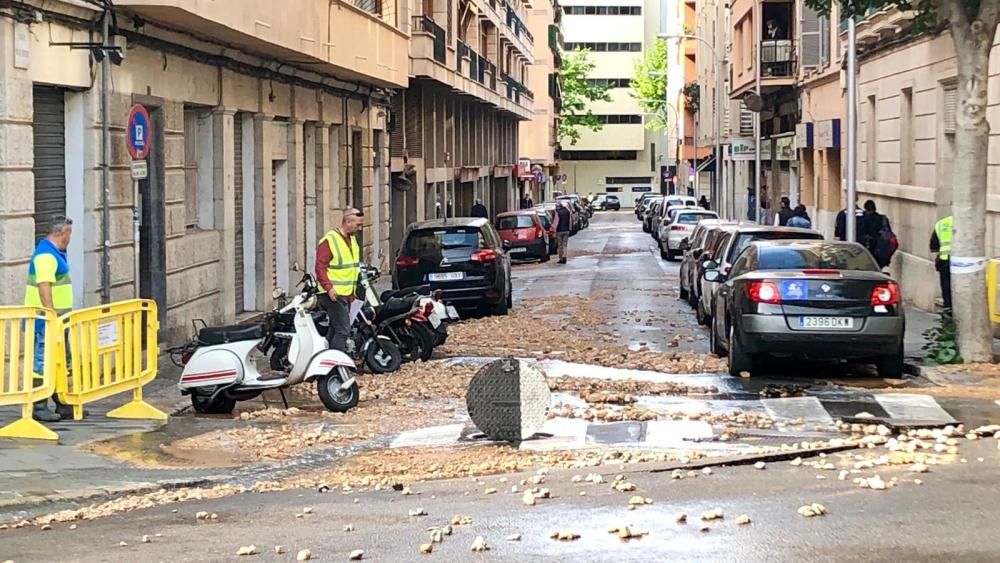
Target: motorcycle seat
418	289
235	333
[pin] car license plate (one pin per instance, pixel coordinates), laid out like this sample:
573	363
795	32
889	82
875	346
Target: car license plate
452	312
446	276
834	323
518	249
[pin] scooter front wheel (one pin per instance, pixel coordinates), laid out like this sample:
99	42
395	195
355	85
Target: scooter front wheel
383	356
207	404
333	394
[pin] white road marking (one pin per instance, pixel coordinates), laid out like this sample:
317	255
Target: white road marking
906	406
810	409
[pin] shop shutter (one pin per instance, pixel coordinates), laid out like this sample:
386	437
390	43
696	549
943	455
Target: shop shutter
238	188
49	134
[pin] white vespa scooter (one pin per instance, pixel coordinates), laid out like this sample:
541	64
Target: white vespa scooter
220	365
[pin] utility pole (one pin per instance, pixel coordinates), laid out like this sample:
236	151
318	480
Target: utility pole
850	221
758	37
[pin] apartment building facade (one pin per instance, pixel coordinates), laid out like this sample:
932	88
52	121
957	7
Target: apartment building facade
624	157
711	17
538	142
265	125
456	125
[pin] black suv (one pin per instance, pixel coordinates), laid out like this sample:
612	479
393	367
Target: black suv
463	257
612	202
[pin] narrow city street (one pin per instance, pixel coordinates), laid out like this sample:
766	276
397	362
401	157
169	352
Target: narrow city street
644	427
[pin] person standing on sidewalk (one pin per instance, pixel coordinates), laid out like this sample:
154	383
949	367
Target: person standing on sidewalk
479	210
49	286
941	244
338	267
564	224
785	213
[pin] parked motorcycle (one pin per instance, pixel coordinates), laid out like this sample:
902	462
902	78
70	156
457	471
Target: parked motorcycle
221	363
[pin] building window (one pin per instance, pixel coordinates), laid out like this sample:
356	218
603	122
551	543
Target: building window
598	155
619	119
199	200
605	47
906	140
871	141
608	83
950	107
626	180
602	10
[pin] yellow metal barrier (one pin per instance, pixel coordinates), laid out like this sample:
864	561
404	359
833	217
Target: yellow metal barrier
112	349
991	288
18	384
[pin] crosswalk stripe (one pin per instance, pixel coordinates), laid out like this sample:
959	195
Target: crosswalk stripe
910	407
810	409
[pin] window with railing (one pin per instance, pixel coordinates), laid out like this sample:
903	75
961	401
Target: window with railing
385	10
777	58
426	25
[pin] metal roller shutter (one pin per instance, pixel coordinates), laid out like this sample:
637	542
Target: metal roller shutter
238	176
49	134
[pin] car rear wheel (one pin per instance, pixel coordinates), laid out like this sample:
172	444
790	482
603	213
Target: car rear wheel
739	361
545	255
671	255
700	314
684	294
716	346
891	366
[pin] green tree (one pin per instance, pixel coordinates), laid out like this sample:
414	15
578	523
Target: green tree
972	25
649	84
577	95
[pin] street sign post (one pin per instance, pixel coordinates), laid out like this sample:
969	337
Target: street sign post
139	133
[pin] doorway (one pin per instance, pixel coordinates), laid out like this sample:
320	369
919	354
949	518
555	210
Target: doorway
357	190
152	226
279	223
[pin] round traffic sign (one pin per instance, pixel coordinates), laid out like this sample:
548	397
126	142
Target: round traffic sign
140	133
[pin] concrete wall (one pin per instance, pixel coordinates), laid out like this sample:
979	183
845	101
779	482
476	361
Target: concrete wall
536	139
198	263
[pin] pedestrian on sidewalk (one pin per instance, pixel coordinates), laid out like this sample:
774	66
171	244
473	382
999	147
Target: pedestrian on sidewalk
941	244
785	213
751	204
338	267
563	224
479	210
800	218
875	233
703	203
840	226
49	286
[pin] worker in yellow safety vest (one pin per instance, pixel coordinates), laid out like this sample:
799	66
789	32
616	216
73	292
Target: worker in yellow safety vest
338	267
941	244
49	286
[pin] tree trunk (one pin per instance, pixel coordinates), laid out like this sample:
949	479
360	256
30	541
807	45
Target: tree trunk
973	43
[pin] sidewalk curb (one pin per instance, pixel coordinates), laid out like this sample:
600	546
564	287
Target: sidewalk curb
914	367
34	502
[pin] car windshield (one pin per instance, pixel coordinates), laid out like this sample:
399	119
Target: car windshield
693	218
514	222
432	244
744	239
826	257
611	198
544	218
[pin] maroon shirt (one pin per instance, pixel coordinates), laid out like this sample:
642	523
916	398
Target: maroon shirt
324	255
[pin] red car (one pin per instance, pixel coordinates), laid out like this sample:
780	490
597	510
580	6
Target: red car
525	233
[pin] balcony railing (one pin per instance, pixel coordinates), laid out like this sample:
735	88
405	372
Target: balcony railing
490	69
514	22
777	58
477	64
427	25
514	89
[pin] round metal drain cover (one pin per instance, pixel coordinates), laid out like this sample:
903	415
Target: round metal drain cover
507	400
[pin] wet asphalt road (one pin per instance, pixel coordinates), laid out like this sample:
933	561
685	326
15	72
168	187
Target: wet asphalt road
950	517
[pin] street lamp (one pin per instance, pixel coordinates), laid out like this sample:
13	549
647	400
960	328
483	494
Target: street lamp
719	84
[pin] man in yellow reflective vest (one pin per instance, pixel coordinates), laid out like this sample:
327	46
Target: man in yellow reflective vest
941	243
49	286
338	266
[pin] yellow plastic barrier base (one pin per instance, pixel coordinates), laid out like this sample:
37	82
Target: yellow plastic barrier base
138	409
28	428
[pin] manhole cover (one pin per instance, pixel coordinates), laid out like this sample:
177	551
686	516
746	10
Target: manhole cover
507	400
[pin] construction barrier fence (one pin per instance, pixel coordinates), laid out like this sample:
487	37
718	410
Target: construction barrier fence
991	288
89	355
24	334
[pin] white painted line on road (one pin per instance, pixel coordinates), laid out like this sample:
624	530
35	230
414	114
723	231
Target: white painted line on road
906	406
810	409
433	436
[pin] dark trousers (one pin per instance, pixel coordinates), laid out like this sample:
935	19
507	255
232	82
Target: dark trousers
339	312
944	273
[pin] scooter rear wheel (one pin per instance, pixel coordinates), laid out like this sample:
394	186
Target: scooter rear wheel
207	404
333	398
425	335
383	356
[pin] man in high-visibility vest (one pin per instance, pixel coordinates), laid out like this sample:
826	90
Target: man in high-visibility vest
941	244
338	266
49	286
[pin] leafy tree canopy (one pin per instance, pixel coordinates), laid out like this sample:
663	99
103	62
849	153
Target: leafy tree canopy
649	84
577	95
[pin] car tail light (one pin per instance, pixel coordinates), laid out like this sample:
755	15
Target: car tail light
677	228
763	292
428	309
406	262
819	272
539	233
885	294
487	255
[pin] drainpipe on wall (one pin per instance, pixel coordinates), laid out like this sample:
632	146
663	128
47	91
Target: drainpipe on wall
106	167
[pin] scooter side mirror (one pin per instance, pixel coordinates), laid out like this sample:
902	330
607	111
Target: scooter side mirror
278	292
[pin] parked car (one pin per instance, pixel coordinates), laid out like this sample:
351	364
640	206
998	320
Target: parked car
683	200
678	226
523	229
640	204
651	208
666	216
547	217
809	300
463	257
730	246
713	247
598	199
693	248
611	202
